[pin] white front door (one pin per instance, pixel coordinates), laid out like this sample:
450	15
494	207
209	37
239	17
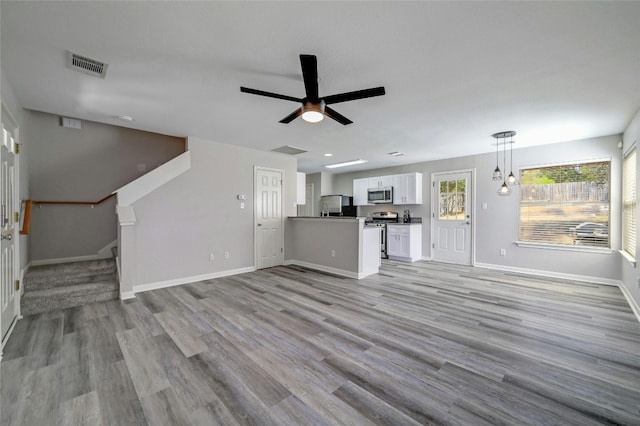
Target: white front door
451	215
268	218
9	226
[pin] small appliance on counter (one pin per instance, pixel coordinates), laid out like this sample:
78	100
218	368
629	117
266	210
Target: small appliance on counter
337	205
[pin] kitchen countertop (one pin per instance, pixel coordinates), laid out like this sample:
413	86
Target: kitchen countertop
359	218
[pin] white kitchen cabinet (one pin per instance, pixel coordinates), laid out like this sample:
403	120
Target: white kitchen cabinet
360	187
380	181
404	242
407	188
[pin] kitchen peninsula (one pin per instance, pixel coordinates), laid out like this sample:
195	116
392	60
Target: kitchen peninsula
338	244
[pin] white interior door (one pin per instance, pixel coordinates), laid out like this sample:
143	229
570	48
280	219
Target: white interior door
9	300
268	215
451	215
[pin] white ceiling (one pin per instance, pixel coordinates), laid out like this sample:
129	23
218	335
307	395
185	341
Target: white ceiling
454	72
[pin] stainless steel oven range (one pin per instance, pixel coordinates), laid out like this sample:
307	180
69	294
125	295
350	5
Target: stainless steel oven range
380	219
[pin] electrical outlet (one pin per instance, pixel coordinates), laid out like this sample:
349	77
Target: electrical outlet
226	255
333	253
211	256
503	252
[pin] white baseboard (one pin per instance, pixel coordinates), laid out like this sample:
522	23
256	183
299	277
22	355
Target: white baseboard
584	278
64	260
105	252
427	258
329	269
124	295
539	272
187	280
632	302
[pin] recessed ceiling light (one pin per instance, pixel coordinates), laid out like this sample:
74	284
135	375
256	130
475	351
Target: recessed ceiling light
125	118
396	153
346	163
328	154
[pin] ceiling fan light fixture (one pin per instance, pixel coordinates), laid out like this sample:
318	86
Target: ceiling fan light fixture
313	113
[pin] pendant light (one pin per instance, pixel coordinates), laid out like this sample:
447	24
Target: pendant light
497	174
511	179
504	189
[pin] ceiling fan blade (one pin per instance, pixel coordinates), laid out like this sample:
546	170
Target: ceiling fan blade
332	113
269	94
289	118
352	96
309	65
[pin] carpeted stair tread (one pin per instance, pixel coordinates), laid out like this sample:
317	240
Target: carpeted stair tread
54	282
47	276
62	286
50	299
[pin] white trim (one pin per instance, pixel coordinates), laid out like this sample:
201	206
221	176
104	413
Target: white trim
628	257
124	295
153	180
329	269
632	302
627	151
435	204
105	252
427	258
187	280
584	278
63	260
126	215
9	331
565	247
566	163
256	255
543	273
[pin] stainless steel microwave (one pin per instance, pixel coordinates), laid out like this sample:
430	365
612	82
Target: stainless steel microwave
380	195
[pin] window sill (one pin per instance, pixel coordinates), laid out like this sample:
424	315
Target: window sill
582	249
628	257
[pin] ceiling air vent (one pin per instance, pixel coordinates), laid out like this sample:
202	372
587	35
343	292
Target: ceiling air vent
86	65
292	150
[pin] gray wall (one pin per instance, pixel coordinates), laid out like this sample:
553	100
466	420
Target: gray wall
497	226
323	184
198	213
630	273
83	165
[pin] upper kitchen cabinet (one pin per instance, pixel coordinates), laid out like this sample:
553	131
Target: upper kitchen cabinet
360	187
381	181
407	188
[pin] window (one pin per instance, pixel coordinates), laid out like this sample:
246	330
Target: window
452	202
629	204
566	204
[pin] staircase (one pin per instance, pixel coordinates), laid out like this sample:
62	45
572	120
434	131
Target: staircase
65	285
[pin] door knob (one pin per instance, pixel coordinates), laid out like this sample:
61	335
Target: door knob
6	237
259	224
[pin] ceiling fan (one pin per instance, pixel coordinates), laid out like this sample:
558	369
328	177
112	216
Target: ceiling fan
314	107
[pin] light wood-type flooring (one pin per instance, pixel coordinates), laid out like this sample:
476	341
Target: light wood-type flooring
420	343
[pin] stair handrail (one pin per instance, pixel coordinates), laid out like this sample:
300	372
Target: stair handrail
92	203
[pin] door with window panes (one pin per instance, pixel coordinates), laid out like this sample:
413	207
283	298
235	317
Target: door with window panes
451	216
